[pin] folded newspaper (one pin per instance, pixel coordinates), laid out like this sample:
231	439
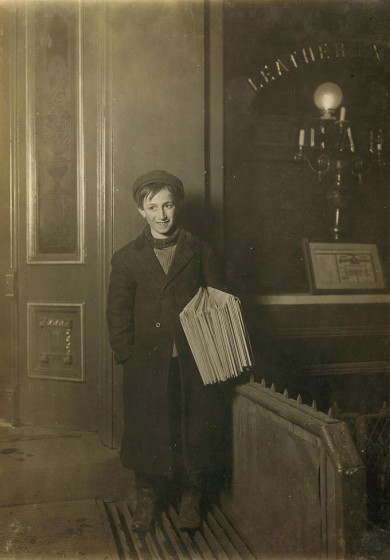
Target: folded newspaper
213	324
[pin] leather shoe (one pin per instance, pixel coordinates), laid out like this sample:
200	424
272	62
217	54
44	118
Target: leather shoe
144	510
189	514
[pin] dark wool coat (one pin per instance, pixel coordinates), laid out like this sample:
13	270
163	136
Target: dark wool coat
143	318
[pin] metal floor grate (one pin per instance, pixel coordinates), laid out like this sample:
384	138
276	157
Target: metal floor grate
215	540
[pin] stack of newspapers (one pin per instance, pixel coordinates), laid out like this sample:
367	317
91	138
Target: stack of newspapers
213	324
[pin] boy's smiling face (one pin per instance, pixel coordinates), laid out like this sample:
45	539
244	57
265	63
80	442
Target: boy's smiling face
160	211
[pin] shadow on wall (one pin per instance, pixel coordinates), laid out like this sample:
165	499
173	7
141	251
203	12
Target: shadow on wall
195	218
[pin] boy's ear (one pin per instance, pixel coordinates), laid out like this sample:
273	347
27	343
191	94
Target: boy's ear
142	212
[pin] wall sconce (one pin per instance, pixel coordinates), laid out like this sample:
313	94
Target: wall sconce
328	146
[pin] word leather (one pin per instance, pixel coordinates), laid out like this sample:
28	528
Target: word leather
308	55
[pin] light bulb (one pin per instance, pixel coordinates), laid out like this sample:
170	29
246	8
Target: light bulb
328	97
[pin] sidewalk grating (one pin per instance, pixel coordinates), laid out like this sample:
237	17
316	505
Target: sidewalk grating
215	540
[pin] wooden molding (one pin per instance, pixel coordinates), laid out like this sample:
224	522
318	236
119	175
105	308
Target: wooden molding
348	368
105	214
12	394
329	331
319	299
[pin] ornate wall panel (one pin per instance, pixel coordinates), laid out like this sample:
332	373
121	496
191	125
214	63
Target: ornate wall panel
54	133
56	341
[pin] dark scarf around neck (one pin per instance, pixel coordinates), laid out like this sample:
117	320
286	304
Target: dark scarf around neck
164	242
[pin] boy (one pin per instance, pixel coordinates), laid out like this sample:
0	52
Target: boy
172	422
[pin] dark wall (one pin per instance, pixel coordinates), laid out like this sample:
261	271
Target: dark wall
271	203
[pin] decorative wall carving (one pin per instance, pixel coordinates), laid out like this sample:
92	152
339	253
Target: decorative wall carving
56	341
54	142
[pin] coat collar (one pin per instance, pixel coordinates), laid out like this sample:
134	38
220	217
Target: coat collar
185	251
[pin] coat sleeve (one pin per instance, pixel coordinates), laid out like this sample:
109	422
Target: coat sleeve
120	309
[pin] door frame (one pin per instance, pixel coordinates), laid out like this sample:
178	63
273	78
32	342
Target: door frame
105	180
11	397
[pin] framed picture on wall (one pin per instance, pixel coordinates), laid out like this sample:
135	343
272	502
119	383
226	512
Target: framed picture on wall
343	267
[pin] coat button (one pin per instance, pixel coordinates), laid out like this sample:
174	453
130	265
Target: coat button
155	348
158	325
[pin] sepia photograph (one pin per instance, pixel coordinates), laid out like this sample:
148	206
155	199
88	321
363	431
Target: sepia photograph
195	260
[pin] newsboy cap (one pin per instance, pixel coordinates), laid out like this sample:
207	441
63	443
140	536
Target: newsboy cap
157	176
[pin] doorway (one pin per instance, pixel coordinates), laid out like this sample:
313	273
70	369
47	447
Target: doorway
93	105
